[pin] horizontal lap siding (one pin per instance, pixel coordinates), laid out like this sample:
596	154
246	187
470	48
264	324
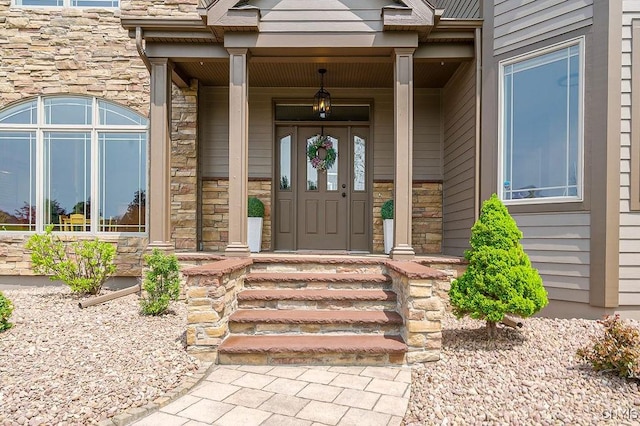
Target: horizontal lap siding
559	247
519	23
427	135
213	119
214	133
321	15
214	130
459	102
629	221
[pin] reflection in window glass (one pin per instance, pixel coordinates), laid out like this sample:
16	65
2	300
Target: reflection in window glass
25	113
541	133
94	3
67	3
39	3
114	115
69	156
358	164
17	181
67	111
332	172
68	180
122	182
312	173
285	163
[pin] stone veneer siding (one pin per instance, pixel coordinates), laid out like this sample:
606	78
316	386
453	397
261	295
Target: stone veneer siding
215	212
49	50
85	51
212	292
159	8
16	260
427	216
184	167
421	308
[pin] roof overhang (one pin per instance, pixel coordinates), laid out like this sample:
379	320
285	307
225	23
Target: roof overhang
196	48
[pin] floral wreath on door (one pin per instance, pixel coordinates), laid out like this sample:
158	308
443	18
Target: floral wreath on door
321	153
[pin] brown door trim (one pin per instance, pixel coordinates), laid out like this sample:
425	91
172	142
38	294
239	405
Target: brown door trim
286	202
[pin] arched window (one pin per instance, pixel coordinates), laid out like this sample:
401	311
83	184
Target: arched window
77	163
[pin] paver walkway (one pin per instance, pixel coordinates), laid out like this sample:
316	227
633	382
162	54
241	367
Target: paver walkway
291	395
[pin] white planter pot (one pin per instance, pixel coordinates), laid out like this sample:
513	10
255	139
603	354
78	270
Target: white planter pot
255	234
387	227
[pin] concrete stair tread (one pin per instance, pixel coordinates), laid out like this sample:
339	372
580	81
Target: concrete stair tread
256	277
318	295
313	344
283	316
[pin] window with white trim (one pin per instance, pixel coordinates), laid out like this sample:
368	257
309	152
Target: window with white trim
77	163
541	122
68	3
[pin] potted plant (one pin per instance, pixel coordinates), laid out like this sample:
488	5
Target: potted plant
256	215
387	225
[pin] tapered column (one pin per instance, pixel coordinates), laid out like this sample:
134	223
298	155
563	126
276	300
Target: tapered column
238	152
159	197
403	143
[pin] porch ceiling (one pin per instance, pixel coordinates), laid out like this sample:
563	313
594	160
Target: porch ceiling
368	73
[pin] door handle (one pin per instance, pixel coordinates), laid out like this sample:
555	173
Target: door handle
344	194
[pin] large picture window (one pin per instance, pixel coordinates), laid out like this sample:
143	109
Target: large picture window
61	154
68	3
541	123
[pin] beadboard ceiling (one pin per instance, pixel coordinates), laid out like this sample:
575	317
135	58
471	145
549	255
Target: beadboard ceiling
341	74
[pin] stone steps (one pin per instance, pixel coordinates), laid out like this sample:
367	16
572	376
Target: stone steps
305	349
327	313
268	321
316	280
360	299
318	264
337	312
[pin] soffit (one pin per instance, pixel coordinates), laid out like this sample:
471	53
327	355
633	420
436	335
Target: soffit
356	75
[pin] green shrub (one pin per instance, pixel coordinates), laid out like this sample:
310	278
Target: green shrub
617	350
386	211
499	279
83	265
161	282
6	308
255	207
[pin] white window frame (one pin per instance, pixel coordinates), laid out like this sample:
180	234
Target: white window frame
40	128
65	3
579	41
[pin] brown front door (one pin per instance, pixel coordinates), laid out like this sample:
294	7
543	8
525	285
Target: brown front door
323	210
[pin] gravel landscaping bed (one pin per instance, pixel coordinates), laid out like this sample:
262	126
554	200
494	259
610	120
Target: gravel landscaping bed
63	365
526	376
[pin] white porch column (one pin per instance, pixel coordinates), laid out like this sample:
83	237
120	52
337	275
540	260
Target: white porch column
403	146
159	197
238	152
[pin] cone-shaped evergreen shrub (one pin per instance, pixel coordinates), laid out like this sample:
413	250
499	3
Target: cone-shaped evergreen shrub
499	279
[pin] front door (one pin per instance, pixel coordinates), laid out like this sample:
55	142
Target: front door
323	209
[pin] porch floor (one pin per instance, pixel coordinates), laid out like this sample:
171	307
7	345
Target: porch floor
319	256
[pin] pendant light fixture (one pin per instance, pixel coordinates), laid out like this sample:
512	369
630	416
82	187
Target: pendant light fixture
322	100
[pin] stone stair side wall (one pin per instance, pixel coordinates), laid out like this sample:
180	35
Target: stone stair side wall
453	268
212	292
421	308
